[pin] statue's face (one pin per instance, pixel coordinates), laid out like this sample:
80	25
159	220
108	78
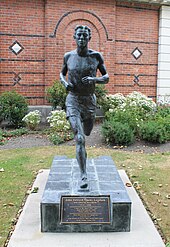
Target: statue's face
82	37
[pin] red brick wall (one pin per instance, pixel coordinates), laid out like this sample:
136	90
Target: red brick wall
98	15
45	30
23	21
136	26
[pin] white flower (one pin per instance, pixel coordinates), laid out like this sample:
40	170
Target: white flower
58	121
32	119
111	110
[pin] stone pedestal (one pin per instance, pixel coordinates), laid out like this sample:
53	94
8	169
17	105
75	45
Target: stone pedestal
105	185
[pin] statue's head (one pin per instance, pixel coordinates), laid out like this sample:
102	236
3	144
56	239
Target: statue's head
82	35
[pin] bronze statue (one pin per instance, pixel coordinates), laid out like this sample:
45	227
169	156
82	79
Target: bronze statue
82	65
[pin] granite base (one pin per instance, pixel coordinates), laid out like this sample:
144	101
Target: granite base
104	180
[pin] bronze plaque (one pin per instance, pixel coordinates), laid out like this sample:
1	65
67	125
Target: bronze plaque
85	210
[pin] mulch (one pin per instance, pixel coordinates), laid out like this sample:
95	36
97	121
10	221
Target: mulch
94	140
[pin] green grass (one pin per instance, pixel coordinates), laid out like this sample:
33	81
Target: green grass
150	172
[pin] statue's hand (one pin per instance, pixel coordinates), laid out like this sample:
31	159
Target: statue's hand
70	87
87	80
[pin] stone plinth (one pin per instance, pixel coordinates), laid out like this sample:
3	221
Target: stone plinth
104	180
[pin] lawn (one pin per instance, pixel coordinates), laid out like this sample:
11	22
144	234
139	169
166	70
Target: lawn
149	173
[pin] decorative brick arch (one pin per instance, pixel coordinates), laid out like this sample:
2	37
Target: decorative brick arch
62	41
81	15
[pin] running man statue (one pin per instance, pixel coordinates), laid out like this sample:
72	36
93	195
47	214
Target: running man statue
82	65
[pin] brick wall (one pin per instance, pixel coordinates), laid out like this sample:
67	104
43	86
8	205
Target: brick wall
98	15
23	21
45	31
136	27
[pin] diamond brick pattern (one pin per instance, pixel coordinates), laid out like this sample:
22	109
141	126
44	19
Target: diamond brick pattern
136	53
16	48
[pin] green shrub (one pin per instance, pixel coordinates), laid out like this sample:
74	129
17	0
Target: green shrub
163	111
125	116
1	138
154	131
16	132
132	109
13	107
56	139
166	123
6	135
100	92
60	137
117	132
56	95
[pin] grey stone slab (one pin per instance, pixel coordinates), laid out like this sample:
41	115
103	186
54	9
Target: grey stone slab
27	231
57	186
104	163
60	158
65	177
61	162
103	180
61	169
111	186
112	176
91	176
105	158
105	169
53	196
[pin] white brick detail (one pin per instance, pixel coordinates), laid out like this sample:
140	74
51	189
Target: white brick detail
163	83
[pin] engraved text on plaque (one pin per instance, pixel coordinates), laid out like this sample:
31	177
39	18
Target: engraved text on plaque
85	210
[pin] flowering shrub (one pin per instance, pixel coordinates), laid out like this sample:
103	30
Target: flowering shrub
135	101
60	127
58	121
112	102
134	109
116	101
141	101
32	119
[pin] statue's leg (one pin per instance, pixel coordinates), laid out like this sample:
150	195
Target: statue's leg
81	154
88	126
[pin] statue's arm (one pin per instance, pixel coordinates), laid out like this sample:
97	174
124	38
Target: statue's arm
104	79
63	73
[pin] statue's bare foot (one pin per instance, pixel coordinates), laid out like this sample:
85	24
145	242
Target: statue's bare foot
84	183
